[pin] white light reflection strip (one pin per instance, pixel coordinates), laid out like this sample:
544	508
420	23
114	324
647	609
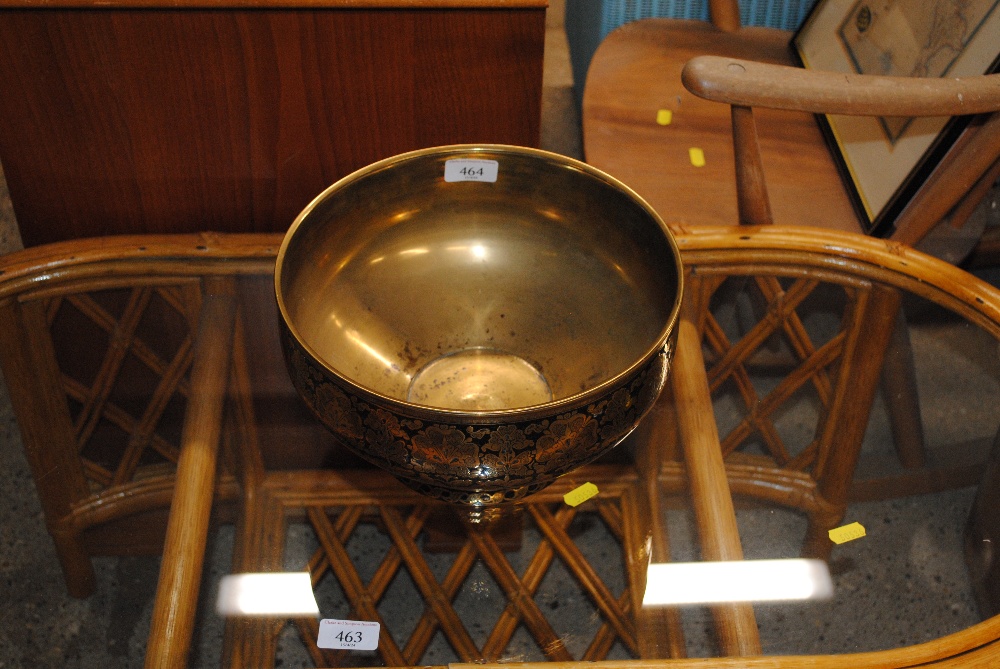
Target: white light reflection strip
278	594
677	583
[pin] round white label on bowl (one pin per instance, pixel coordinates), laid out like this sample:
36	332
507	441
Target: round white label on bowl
471	169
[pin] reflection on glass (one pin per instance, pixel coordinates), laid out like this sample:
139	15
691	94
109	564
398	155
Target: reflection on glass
738	581
280	594
552	214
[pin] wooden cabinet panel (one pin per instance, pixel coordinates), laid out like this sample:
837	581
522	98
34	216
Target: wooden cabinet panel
200	118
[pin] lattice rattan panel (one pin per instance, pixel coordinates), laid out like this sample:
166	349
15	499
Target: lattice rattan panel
447	591
773	348
124	355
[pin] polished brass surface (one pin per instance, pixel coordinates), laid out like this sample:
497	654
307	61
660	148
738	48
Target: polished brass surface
477	303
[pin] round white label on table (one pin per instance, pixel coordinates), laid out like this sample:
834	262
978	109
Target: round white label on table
351	634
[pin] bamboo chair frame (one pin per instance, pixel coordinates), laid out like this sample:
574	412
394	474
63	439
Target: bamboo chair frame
80	496
631	495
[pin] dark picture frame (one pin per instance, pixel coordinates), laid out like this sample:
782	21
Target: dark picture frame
884	161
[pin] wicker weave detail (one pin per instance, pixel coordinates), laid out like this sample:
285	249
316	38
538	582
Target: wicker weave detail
782	363
125	355
481	600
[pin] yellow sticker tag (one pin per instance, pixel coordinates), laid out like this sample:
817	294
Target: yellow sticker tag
697	156
664	116
845	533
579	495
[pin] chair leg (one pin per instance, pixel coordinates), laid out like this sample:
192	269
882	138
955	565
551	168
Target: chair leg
899	383
74	559
847	418
252	641
817	542
39	401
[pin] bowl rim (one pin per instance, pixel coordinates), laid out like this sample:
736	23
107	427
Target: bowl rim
443	414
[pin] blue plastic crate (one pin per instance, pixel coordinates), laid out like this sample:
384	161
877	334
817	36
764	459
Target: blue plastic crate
783	14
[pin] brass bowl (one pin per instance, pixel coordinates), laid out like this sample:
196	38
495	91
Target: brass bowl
478	334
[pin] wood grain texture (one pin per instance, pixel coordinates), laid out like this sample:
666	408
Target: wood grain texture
958	183
637	71
176	602
31	371
712	500
746	83
270	4
752	200
974	648
117	121
686	66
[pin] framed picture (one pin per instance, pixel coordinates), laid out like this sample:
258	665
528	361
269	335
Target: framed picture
884	160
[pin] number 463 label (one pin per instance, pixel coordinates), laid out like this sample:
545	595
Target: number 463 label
352	634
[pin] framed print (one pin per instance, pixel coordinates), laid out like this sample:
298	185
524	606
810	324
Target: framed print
884	160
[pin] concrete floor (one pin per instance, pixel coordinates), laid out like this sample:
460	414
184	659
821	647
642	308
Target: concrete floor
904	583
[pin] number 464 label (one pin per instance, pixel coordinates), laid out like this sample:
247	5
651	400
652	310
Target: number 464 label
471	169
353	634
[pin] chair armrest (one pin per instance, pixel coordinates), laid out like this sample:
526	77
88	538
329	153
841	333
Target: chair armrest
753	84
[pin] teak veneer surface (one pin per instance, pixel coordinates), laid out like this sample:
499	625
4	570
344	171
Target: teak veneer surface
207	116
244	4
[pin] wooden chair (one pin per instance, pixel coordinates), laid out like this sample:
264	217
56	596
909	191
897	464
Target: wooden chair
116	283
956	183
760	143
636	72
102	427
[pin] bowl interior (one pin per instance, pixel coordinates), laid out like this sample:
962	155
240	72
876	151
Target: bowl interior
478	296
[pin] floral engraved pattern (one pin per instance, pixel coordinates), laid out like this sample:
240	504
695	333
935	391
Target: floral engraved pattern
476	464
617	413
507	437
445	445
575	432
509	453
384	435
341	417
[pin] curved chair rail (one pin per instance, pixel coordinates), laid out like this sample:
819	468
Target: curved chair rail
755	84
